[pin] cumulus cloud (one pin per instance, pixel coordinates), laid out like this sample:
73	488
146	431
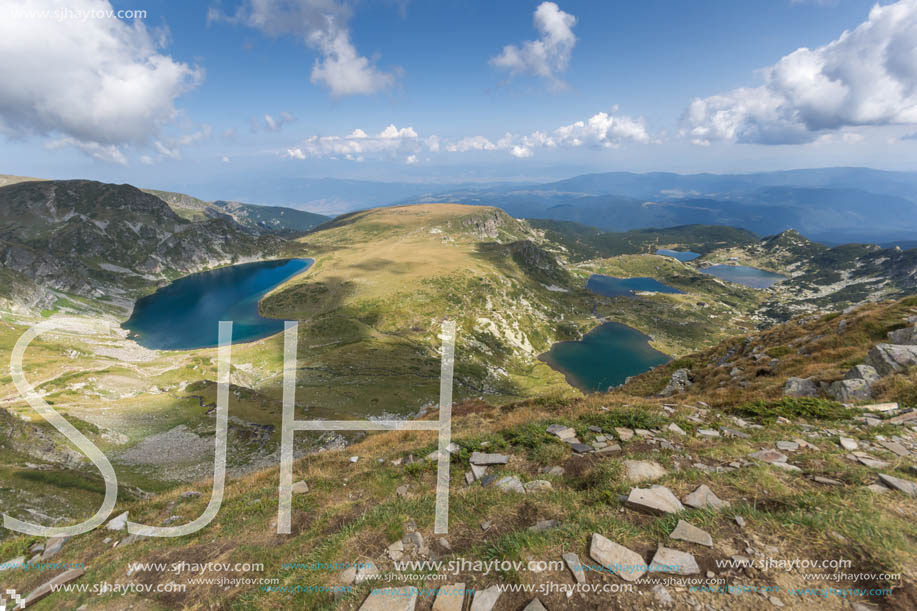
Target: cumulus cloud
601	130
98	85
547	57
865	77
171	148
391	142
323	26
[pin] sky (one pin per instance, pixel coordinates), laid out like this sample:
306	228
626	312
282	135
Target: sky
208	97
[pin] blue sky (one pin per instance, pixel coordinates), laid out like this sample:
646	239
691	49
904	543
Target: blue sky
200	96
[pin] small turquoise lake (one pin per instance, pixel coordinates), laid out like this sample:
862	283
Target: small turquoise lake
185	314
742	274
681	255
609	286
604	357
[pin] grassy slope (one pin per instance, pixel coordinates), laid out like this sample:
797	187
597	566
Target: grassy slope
787	514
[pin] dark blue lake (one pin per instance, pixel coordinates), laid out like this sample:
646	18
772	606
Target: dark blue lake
681	255
605	357
185	314
742	274
609	286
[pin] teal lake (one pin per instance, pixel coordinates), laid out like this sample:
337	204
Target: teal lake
681	255
185	314
604	357
609	286
742	274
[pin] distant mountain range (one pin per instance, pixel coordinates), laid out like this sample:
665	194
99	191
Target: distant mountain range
833	205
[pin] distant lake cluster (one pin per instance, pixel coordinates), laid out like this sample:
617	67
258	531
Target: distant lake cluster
609	286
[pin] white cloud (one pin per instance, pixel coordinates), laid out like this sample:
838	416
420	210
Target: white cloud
225	159
865	77
109	153
471	143
97	84
323	26
410	159
171	148
548	56
521	151
391	141
275	124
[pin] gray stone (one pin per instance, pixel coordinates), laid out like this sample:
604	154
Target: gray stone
826	480
555	470
510	483
863	372
703	498
575	566
542	525
872	463
300	487
894	447
692	534
380	600
708	433
800	387
581	448
668	560
877	488
848	444
787	446
740	521
447	601
906	486
537	485
481	458
469	478
624	434
657	500
661	594
890	358
561	432
485	600
770	456
642	470
15	563
118	523
908	335
535	605
478	471
49	587
674	428
735	433
848	391
54	545
614	557
680	380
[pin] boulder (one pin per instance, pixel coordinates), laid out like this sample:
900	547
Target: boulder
657	500
849	391
679	381
485	600
118	523
627	564
907	487
575	566
890	358
668	560
863	372
800	387
510	483
300	487
642	470
692	534
481	458
907	336
703	498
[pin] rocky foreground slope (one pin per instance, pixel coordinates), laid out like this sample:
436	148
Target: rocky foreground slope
741	498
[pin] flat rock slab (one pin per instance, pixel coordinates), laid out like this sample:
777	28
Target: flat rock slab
906	486
642	470
708	433
118	523
485	600
826	480
768	456
704	498
575	566
787	446
537	485
624	434
872	463
879	407
674	428
894	447
848	444
668	560
54	545
300	487
448	599
692	534
481	458
15	563
786	467
581	448
657	500
535	605
561	432
47	588
625	563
